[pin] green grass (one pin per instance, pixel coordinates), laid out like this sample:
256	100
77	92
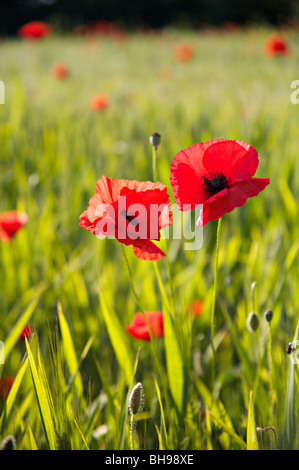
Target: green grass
72	381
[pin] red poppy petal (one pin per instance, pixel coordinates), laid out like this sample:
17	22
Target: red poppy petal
186	173
147	250
237	160
107	190
228	199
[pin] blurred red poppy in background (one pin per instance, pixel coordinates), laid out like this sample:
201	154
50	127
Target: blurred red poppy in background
60	71
138	327
99	102
183	52
217	174
35	30
196	307
133	212
5	386
26	332
10	223
276	45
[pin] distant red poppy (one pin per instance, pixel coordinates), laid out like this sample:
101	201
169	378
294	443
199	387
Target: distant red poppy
196	307
5	386
81	30
26	332
35	30
60	70
133	212
183	52
101	27
276	45
10	223
99	102
138	327
217	174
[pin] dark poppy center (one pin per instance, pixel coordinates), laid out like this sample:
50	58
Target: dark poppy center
129	218
214	182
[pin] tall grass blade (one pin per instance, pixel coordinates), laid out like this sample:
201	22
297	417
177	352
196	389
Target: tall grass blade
43	404
69	351
252	442
118	340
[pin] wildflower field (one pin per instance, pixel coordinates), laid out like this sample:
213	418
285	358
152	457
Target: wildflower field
112	343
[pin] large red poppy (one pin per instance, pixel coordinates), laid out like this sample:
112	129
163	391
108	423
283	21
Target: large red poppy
218	175
133	212
35	30
138	327
10	223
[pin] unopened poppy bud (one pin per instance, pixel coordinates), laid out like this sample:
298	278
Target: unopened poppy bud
268	314
155	139
252	322
136	399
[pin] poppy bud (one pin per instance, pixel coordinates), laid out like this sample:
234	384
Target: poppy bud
252	322
136	399
268	314
155	139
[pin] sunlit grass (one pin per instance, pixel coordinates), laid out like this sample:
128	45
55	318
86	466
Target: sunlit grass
71	286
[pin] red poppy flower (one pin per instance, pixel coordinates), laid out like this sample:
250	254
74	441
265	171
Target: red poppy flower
138	327
276	45
35	30
99	102
5	386
217	174
26	332
10	223
196	307
183	52
60	71
131	211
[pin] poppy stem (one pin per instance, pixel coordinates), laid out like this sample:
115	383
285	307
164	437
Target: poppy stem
213	306
155	163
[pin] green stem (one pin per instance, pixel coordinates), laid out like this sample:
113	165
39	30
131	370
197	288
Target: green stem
270	366
155	163
213	306
159	367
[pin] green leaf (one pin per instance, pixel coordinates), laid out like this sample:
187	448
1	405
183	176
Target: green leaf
13	392
43	404
162	417
228	429
118	340
14	335
252	442
69	351
174	360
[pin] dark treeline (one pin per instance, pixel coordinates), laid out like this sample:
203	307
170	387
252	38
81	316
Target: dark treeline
66	14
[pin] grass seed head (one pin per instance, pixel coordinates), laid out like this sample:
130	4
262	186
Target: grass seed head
136	400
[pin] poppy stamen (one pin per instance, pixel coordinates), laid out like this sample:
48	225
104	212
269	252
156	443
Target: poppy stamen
215	182
129	218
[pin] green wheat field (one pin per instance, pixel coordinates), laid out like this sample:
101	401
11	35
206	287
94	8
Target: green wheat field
73	376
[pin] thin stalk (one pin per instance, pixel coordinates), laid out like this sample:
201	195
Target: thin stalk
155	163
213	306
270	367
